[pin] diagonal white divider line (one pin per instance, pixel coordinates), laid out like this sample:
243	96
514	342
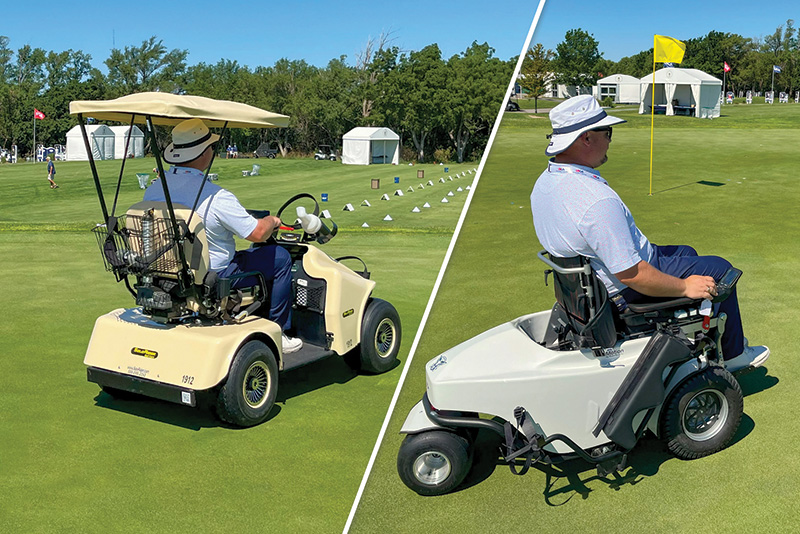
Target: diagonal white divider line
441	272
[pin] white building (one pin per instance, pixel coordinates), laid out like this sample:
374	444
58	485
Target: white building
101	141
368	145
622	89
681	91
135	146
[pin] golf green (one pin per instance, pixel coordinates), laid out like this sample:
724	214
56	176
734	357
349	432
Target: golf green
75	460
726	186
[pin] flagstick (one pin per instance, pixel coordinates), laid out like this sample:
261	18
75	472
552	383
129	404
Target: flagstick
34	137
773	84
652	114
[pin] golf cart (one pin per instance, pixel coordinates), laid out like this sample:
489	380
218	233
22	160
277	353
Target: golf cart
191	335
266	150
579	381
325	152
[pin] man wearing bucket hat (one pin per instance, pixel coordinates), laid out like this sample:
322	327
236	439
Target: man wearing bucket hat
576	212
190	154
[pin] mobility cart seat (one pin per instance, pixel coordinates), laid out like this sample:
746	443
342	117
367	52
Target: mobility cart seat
585	316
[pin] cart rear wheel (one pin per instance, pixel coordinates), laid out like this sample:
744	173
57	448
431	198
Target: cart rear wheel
703	414
380	337
433	462
249	393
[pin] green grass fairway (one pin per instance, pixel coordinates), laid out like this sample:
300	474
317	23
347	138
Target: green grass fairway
728	187
74	460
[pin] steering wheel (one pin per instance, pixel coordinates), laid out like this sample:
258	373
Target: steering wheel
288	236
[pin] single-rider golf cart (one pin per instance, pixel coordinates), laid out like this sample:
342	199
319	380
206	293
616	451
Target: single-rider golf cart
580	380
191	334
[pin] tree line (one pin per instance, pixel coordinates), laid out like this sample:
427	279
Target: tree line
578	62
442	108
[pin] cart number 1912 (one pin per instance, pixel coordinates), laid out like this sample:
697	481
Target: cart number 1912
187	379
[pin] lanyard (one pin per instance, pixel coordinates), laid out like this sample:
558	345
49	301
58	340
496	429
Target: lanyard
567	168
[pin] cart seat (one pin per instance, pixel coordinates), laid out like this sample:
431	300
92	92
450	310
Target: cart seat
582	305
141	243
585	317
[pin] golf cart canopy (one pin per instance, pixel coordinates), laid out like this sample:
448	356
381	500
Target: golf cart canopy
169	109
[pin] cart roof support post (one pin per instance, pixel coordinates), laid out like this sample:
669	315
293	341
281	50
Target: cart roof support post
94	168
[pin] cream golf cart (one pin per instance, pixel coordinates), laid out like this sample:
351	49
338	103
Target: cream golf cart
191	333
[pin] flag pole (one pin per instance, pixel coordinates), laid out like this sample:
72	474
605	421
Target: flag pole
652	113
724	94
773	83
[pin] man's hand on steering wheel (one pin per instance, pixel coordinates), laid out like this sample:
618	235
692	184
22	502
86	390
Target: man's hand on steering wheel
274	224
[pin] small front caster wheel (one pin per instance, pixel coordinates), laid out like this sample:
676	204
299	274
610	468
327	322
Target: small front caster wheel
433	462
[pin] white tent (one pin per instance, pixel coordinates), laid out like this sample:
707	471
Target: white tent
136	145
101	139
363	146
623	89
687	91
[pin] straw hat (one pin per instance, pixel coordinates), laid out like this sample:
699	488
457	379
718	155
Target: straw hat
190	139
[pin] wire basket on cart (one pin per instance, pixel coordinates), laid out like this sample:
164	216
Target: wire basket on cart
139	245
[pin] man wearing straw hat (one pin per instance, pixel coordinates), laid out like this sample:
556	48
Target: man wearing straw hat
576	212
190	154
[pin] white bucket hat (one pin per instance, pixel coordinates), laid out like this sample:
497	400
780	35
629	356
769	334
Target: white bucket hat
190	139
573	117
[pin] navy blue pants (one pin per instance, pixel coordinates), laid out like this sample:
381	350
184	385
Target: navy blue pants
275	263
682	261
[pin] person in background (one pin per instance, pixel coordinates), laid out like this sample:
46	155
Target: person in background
51	173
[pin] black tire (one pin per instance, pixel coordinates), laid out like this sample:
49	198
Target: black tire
702	414
380	337
270	156
434	462
252	385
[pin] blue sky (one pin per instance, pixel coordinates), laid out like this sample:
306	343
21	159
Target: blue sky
629	27
261	32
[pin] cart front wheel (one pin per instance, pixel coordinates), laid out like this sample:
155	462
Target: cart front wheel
249	393
703	414
433	462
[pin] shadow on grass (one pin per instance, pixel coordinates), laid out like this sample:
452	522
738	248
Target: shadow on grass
756	381
699	182
291	384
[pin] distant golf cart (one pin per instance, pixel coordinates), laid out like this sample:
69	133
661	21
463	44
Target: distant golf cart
512	106
266	150
325	152
191	335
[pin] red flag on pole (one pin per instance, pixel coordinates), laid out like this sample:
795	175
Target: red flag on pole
726	68
37	114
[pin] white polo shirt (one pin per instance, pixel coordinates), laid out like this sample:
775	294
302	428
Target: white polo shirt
575	212
220	210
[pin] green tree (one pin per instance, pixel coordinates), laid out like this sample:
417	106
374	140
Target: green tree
413	96
576	60
536	72
475	87
148	67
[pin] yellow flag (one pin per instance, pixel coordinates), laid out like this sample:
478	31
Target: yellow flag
668	50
